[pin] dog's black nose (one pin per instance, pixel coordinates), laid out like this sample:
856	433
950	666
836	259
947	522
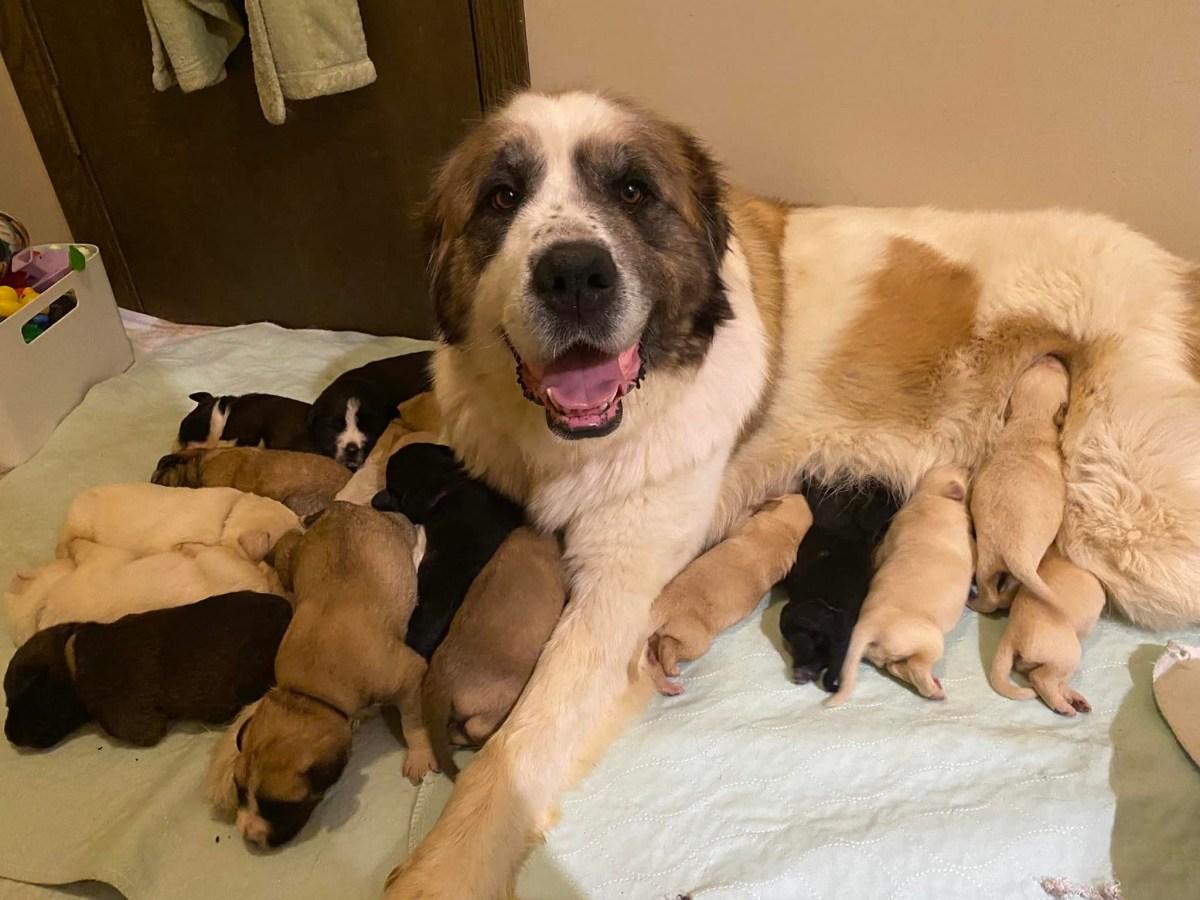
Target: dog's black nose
576	279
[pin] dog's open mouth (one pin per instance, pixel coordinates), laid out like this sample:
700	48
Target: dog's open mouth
581	389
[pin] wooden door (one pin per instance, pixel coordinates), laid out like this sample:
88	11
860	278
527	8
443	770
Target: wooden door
208	214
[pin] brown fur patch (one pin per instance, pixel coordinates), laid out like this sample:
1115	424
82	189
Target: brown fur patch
920	308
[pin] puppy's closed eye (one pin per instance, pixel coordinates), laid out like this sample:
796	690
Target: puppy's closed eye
322	775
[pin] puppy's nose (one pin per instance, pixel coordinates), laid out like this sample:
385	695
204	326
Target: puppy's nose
576	279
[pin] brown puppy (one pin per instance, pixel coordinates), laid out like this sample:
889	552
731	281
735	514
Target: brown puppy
1018	497
918	593
1043	637
303	482
354	582
723	585
478	672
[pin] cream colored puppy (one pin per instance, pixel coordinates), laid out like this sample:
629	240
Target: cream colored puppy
1043	638
94	583
920	589
1019	495
151	518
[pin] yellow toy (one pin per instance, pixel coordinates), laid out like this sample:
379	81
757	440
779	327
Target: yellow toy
10	302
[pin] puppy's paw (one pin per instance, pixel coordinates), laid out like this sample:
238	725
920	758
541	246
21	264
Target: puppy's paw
417	763
1078	702
662	661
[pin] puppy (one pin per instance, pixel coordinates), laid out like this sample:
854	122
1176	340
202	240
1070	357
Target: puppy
1019	494
371	477
831	576
349	416
151	518
95	583
721	586
203	661
354	586
480	669
920	589
303	482
251	420
1043	638
465	524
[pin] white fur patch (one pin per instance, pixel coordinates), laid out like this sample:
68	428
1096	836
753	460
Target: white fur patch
351	436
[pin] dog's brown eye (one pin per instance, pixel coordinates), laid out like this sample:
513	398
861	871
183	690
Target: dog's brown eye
633	193
505	198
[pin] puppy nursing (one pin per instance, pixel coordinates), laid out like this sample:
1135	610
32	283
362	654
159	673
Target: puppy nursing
919	592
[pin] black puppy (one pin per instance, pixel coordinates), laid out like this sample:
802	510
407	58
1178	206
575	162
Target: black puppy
203	661
278	423
831	576
350	415
465	523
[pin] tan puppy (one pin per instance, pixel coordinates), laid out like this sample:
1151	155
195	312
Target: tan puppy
421	413
918	594
371	477
303	482
478	672
150	518
723	585
1043	638
355	586
1019	495
94	583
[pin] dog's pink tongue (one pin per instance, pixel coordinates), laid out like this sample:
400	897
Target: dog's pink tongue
584	379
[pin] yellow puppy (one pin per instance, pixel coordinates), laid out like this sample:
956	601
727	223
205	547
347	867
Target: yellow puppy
1018	497
1043	637
918	594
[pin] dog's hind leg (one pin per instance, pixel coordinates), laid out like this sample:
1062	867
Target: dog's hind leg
1056	693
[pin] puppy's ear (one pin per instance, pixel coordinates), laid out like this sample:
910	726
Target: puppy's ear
386	501
241	733
200	396
322	774
255	544
311	519
1060	417
282	557
956	491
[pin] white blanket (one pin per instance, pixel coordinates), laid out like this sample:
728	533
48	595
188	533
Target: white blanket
743	787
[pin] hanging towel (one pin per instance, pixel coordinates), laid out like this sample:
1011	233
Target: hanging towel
306	48
190	41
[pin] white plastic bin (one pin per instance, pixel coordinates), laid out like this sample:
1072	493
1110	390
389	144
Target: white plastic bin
42	381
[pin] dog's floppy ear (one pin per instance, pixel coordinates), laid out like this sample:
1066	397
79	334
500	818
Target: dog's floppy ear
200	396
956	490
322	775
282	557
386	501
708	192
241	733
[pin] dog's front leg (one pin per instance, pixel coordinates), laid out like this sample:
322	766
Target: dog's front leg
620	556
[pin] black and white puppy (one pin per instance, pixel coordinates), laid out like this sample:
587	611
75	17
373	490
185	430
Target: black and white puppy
831	576
248	420
465	524
350	415
202	662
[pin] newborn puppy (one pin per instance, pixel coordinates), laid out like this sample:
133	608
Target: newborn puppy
480	669
203	661
95	583
918	593
723	585
251	420
349	416
150	518
344	653
303	482
1043	637
465	524
1019	494
831	576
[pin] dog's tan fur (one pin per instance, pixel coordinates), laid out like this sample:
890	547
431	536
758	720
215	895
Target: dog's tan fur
1019	494
723	585
354	585
920	589
1044	635
497	635
303	482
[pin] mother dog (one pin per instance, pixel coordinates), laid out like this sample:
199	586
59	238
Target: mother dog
641	355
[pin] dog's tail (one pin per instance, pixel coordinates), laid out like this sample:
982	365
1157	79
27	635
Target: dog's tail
436	705
1002	665
862	638
1030	579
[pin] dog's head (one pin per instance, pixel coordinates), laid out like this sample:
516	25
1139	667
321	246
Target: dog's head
43	706
418	476
347	419
204	425
587	235
274	766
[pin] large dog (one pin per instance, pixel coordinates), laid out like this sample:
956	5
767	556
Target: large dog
640	355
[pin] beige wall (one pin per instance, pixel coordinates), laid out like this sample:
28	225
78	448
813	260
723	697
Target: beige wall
25	190
1007	103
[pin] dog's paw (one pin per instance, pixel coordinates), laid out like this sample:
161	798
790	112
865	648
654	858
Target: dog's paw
1077	701
418	763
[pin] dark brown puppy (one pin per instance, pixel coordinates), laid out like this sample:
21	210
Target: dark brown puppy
304	482
248	420
203	661
480	669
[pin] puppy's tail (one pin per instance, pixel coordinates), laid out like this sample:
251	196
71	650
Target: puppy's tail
1002	665
1031	580
436	704
859	641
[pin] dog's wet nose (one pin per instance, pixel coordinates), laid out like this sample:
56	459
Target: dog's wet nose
576	280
